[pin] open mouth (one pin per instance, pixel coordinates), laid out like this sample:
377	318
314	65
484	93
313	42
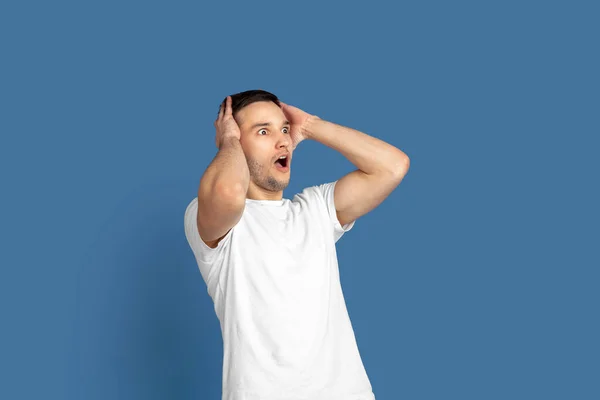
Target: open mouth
281	163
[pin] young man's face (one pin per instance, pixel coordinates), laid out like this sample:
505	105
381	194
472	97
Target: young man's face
265	135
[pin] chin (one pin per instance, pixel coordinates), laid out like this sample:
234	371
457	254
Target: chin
276	184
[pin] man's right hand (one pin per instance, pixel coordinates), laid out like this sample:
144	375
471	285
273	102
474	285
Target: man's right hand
225	124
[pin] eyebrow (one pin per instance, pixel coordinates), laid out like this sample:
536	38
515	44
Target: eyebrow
261	124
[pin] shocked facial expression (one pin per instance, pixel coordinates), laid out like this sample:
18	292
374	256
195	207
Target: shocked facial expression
265	138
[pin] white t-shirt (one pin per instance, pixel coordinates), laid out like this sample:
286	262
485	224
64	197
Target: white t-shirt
275	285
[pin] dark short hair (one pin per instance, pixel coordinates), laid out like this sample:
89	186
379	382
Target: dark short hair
242	99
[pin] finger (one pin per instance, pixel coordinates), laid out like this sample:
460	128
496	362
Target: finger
228	106
221	110
286	108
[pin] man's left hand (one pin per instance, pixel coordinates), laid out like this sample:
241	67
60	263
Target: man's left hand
299	120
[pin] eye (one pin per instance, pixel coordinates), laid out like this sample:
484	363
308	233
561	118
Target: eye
259	132
286	130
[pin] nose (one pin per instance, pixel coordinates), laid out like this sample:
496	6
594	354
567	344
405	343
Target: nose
284	140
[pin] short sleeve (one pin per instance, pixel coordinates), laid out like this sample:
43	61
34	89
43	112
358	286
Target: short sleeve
327	190
206	256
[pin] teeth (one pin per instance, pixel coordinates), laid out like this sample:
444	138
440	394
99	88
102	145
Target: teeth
282	157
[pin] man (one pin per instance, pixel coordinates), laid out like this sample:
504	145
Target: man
270	263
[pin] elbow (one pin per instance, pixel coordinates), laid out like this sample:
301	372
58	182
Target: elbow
400	165
230	194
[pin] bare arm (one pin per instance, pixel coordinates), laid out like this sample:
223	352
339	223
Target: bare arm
223	186
381	167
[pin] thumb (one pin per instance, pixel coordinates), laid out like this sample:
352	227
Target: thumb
286	106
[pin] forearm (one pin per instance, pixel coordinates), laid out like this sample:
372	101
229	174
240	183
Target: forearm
367	153
228	172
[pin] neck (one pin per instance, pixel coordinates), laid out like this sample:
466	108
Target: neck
259	193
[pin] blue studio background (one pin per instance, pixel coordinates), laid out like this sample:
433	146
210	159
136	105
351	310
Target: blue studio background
476	279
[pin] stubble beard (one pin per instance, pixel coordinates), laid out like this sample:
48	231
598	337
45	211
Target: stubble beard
264	179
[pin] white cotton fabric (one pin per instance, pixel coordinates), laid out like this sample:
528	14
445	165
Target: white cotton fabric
276	289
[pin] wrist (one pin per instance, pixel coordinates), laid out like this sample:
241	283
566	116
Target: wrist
229	140
308	126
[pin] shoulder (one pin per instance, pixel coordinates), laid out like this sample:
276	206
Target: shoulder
205	252
322	199
317	193
316	199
